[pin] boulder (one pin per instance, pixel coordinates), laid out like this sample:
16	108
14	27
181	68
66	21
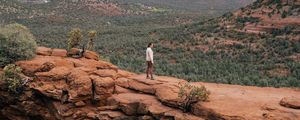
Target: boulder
146	117
126	74
67	114
119	90
208	113
275	113
47	66
168	94
59	52
57	73
142	104
103	88
62	62
134	103
64	110
43	64
31	66
178	115
34	109
79	104
91	115
111	115
141	85
73	51
290	102
106	73
44	51
76	62
165	89
79	115
104	108
50	89
87	70
89	63
123	82
91	55
80	85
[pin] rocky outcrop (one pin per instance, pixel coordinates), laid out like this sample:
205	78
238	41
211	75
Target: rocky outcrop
142	104
87	88
291	102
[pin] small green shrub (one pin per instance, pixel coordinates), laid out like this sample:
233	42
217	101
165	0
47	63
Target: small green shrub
91	35
75	37
256	4
247	19
17	43
284	14
12	76
192	94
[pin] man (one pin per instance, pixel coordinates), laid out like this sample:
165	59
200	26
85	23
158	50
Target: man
149	59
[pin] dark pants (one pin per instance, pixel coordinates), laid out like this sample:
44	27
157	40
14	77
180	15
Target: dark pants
149	68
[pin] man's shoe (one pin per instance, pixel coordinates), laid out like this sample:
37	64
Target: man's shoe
152	78
147	77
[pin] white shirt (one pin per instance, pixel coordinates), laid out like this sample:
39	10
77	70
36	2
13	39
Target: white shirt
149	54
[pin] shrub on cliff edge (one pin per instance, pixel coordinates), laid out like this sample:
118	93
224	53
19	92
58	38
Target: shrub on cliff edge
16	43
12	76
192	94
74	38
92	35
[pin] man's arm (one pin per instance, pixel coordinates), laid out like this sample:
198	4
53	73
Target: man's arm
151	56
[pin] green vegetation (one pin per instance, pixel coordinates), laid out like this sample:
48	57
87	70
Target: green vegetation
192	94
285	30
284	14
270	2
17	43
11	75
241	63
92	35
75	37
231	56
256	4
247	19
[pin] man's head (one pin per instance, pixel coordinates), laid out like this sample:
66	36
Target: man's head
150	45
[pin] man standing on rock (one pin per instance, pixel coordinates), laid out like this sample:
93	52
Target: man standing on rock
149	59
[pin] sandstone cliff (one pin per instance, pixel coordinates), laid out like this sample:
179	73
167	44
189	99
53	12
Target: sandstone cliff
88	88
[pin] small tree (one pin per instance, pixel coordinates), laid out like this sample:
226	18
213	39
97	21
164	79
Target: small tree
92	35
16	43
192	94
75	37
12	76
284	14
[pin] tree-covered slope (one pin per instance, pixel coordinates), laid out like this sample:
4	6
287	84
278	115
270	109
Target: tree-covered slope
256	45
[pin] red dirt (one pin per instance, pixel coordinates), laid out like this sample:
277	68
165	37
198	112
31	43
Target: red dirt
250	102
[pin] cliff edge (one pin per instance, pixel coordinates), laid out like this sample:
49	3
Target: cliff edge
62	87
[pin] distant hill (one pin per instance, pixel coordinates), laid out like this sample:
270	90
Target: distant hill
256	45
51	21
265	16
35	1
215	6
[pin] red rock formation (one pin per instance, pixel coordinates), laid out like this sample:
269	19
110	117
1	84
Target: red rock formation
85	88
291	102
59	52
